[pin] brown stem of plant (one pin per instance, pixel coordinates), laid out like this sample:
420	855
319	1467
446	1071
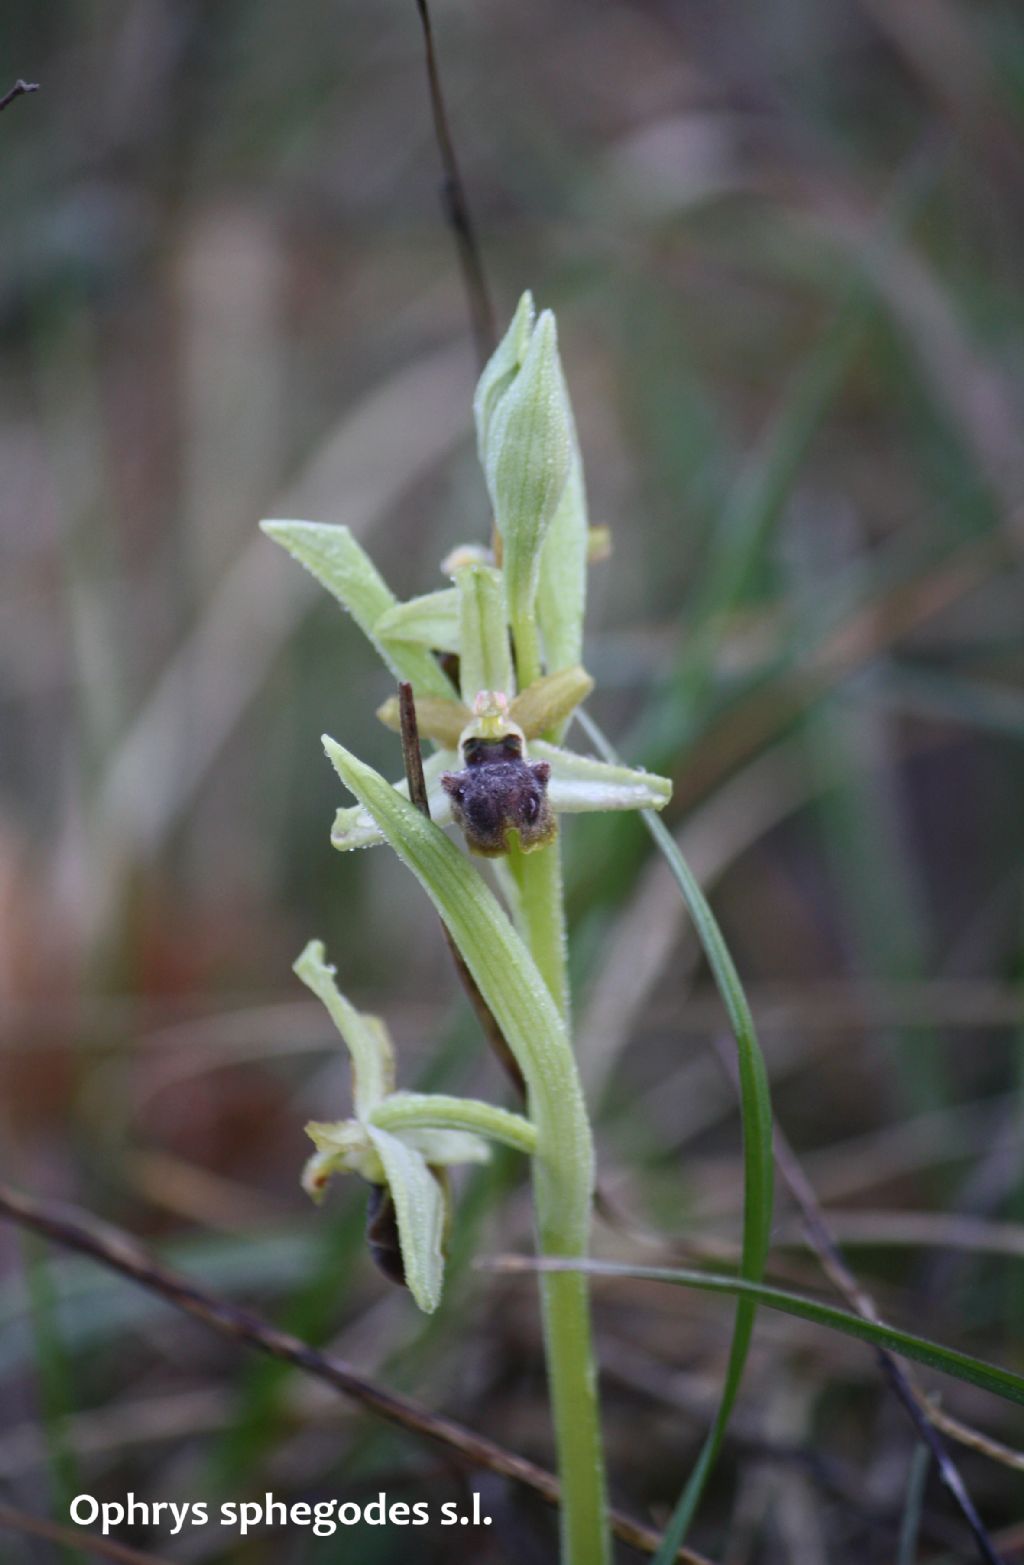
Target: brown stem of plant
119	1252
19	90
413	758
835	1266
456	207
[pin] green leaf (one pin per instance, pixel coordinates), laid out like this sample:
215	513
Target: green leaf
355	827
758	1165
486	661
339	563
420	1213
373	1058
950	1361
431	620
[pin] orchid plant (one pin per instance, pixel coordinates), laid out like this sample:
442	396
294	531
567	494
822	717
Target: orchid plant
495	662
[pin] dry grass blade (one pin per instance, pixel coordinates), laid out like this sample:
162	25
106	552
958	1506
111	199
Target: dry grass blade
119	1252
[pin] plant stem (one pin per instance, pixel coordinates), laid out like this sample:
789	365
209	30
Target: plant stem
541	915
563	1228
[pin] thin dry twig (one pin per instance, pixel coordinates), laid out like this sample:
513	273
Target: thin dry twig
19	90
72	1538
413	758
456	207
119	1252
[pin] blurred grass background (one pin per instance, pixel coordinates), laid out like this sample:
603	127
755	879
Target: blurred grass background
784	244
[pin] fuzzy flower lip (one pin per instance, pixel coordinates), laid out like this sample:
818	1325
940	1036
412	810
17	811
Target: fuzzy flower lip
396	1140
570	783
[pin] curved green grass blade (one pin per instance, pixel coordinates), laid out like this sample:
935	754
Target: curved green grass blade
758	1167
1005	1383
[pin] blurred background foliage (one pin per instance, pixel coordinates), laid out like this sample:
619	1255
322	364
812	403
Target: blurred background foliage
784	245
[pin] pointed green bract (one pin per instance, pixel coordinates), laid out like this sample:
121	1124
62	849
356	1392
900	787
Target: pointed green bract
528	450
562	583
500	370
339	563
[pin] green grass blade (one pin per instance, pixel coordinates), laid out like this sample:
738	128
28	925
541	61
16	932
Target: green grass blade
1005	1383
758	1166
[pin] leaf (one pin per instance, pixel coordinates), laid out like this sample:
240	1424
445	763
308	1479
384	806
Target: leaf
339	563
486	660
578	783
431	620
758	1165
1005	1383
373	1058
420	1211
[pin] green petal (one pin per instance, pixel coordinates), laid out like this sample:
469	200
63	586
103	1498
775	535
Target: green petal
579	783
341	565
550	700
341	1148
420	1213
373	1059
483	632
431	620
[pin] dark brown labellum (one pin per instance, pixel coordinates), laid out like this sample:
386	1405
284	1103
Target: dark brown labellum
382	1234
498	793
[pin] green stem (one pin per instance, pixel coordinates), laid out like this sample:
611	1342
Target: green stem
541	915
563	1227
526	640
438	1111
